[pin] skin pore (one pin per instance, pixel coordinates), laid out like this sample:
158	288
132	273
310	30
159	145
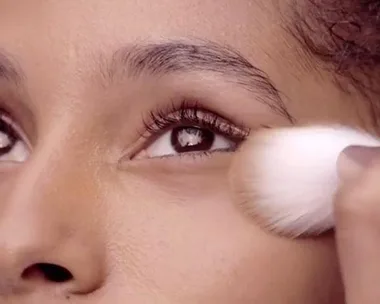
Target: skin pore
92	95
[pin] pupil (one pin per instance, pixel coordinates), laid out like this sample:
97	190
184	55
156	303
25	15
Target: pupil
189	139
7	140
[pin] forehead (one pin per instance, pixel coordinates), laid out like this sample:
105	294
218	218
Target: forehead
69	37
63	33
58	43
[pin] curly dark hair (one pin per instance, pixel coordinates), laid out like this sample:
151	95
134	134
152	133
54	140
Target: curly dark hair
344	35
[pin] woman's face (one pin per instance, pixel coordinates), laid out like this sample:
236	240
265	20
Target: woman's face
119	121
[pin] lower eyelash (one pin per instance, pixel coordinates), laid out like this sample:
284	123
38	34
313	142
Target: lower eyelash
194	155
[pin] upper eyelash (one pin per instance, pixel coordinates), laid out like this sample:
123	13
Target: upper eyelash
192	113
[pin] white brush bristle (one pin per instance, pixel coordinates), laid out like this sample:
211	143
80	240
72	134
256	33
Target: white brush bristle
287	178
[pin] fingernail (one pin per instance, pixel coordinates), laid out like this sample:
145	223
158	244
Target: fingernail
353	160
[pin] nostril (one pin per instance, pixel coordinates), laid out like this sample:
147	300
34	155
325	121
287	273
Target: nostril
49	272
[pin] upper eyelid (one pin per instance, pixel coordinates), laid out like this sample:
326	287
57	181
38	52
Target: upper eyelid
15	103
184	56
198	104
190	110
176	121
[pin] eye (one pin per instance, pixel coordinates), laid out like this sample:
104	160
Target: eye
188	139
12	147
189	129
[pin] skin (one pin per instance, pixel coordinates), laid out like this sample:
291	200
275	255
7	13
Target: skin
146	230
357	223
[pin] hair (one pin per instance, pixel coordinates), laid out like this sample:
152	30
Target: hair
344	35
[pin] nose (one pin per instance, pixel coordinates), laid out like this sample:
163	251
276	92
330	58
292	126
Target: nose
50	231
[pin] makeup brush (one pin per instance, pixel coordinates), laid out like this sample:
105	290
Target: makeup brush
286	178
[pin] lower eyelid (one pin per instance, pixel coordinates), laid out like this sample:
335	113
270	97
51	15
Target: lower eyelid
188	157
193	162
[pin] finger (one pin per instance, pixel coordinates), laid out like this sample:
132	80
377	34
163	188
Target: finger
357	215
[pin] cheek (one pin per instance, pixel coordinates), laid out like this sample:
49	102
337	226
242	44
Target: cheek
198	248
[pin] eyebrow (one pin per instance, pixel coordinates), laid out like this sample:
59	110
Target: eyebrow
170	57
9	70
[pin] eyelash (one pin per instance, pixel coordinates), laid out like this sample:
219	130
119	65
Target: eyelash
189	113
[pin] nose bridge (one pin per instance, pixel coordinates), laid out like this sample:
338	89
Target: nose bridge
49	210
56	179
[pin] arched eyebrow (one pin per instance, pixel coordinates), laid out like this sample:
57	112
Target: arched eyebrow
172	57
9	70
158	59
